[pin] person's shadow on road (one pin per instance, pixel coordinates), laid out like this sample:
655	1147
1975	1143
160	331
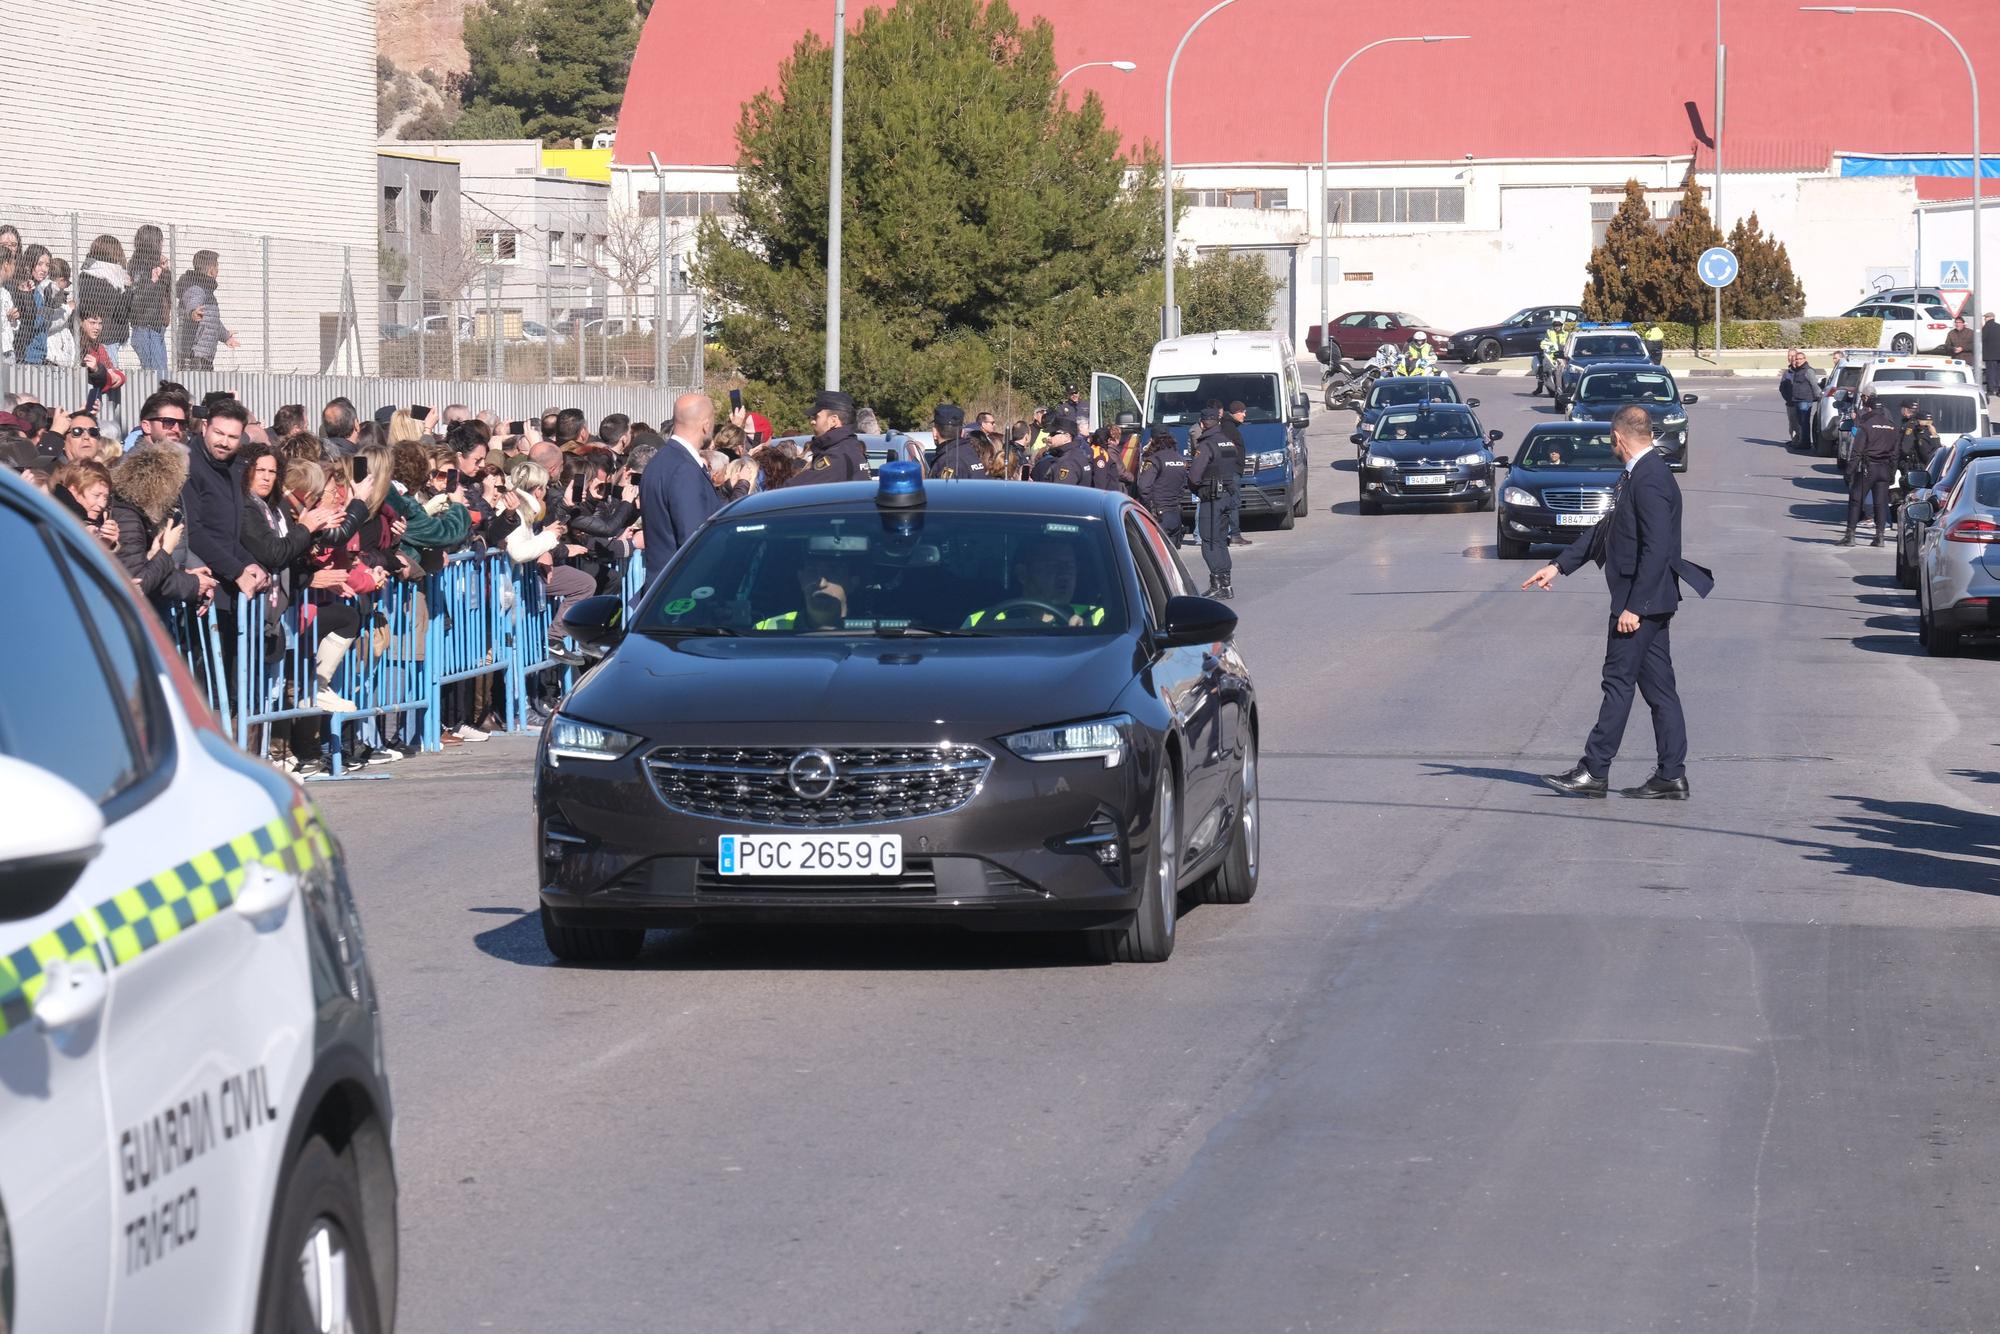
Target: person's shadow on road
1917	843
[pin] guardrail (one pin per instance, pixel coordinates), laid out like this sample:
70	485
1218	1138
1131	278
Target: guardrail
481	615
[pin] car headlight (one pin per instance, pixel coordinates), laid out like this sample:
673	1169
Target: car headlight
1467	460
1101	738
1270	459
570	739
1514	495
1671	423
1380	460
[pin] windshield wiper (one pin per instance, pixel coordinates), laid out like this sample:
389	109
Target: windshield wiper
927	632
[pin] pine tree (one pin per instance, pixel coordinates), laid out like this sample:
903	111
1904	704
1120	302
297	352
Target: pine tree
1673	289
1624	262
1765	286
560	65
976	203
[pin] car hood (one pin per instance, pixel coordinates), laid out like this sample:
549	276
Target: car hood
1602	409
1539	479
1410	450
1488	330
990	685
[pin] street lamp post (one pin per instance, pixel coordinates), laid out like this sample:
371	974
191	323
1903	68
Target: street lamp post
833	196
1122	66
1170	315
660	275
1326	165
1978	163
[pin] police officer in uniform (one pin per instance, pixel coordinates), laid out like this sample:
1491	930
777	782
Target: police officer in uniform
1871	465
836	454
1206	473
1163	482
1545	366
1067	459
1238	454
1920	437
957	455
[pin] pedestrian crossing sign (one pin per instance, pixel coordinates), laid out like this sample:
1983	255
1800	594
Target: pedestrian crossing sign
1951	273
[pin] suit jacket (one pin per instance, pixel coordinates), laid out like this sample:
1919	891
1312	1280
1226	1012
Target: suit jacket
1639	544
675	497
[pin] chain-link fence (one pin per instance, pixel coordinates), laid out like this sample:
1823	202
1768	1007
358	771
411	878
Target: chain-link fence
175	299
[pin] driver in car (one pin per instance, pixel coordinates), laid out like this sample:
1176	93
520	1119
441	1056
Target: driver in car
1046	574
826	580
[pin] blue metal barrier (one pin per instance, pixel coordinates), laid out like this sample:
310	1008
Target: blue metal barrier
467	630
200	644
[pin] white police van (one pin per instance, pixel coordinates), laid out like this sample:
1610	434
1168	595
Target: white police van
1259	371
194	1114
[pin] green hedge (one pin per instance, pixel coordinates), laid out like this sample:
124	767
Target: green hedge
1771	334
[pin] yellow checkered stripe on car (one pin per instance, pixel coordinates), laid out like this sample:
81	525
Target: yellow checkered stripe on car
155	911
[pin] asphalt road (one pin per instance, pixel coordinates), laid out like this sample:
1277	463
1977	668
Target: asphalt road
1476	1058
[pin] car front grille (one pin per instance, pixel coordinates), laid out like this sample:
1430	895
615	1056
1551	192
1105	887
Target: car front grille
869	784
919	877
1577	500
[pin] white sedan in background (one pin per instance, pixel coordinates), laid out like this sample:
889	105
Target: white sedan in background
1905	328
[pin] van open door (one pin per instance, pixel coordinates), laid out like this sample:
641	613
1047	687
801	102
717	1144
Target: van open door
1110	396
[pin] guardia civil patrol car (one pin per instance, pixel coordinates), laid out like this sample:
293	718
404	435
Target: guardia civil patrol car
194	1115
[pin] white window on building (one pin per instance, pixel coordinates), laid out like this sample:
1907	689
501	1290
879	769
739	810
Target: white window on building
427	212
497	247
597	251
1238	198
1397	204
392	209
556	249
688	204
1664	205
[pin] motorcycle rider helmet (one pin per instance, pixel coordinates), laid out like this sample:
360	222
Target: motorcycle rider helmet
1420	337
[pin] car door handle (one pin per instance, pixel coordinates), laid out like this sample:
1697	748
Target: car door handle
265	894
74	993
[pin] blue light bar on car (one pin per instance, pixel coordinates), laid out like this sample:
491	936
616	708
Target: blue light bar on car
901	485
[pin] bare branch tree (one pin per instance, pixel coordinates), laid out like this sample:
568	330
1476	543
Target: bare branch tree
630	255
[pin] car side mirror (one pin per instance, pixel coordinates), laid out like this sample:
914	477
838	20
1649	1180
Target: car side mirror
1358	438
1191	620
1302	409
1690	398
1471	402
1919	511
51	833
1917	479
1495	437
596	622
1500	461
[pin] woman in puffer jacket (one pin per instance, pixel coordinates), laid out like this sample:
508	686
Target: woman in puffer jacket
145	489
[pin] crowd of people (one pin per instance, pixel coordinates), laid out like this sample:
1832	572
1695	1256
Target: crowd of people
117	299
311	525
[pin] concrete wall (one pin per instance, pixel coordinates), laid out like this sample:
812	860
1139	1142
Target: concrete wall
220	119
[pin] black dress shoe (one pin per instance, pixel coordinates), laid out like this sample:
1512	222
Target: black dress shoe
1657	788
1578	782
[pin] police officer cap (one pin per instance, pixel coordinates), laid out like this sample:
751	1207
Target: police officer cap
1909	402
948	417
832	400
1211	414
1063	426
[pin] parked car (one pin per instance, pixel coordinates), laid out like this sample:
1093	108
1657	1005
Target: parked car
1958	567
1259	371
1905	328
1927	490
1881	372
1838	388
618	327
1358	333
1519	335
1921	296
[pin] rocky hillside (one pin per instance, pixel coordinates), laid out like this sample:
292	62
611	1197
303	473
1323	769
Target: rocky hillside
422	34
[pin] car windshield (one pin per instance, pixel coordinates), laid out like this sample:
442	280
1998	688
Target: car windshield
1179	399
1627	387
1394	393
1957	459
1422	425
891	574
1409	321
1608	346
1935	374
1951	414
1568	449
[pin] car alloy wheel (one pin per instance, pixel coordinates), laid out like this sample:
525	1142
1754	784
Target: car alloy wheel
1235	881
1149	936
319	1275
1488	350
323	1281
1903	343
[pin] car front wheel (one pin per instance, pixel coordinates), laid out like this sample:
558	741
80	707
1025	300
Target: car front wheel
591	944
1488	350
318	1273
1149	936
1903	343
1235	881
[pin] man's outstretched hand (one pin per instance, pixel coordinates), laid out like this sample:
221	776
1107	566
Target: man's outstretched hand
1542	578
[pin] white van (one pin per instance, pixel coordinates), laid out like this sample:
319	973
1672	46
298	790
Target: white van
1259	371
1954	409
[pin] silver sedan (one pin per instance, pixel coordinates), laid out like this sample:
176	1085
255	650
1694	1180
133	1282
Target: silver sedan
1958	566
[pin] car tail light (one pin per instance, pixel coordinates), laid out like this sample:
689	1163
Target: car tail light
1973	530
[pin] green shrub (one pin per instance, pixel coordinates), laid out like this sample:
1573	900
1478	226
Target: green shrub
1746	335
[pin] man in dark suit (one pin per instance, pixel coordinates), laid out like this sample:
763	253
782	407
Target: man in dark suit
675	492
1639	545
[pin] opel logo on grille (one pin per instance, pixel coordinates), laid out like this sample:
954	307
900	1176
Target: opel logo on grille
812	774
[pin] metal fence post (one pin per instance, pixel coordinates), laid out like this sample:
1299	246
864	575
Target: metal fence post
548	323
173	330
265	246
422	360
75	249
